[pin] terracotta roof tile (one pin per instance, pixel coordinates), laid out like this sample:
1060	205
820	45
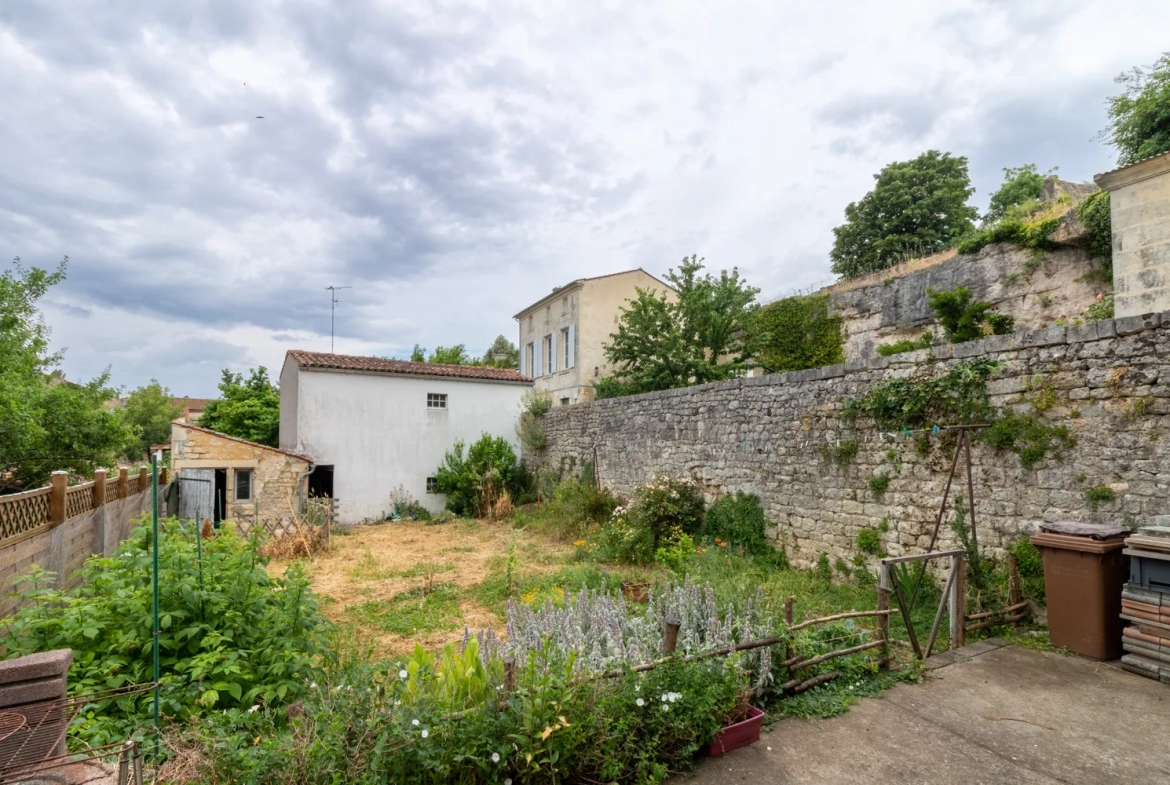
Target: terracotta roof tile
344	362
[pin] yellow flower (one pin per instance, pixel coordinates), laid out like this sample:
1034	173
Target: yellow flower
579	543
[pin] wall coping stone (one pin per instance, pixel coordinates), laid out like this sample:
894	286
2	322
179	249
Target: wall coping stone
1102	329
41	665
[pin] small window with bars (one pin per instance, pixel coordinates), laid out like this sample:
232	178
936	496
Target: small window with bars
432	485
436	400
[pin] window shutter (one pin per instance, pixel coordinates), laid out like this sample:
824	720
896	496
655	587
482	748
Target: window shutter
538	359
552	353
523	351
571	349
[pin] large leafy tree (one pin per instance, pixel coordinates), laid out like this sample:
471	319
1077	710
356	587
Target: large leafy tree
916	207
450	355
47	423
501	354
706	334
247	408
1021	185
1139	118
150	410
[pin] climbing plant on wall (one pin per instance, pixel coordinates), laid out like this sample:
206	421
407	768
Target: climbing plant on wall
801	333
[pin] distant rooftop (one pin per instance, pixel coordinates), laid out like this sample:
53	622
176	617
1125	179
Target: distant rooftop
578	281
344	362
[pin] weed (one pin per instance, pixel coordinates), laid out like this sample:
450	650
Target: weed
924	341
884	525
869	541
1099	493
414	611
823	570
842	453
878	485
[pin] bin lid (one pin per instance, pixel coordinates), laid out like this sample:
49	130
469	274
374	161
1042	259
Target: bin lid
1096	531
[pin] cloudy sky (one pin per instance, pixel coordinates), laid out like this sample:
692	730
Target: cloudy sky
453	162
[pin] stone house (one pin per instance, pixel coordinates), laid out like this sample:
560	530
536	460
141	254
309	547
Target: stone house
563	335
221	477
377	427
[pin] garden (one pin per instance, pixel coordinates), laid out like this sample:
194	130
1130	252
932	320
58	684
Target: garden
541	630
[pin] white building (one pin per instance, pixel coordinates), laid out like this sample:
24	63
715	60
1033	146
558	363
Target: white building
371	425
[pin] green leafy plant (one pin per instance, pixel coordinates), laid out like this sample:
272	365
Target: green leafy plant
961	527
1139	118
842	453
530	430
1100	308
958	396
869	541
878	485
231	635
1095	212
706	332
924	341
1028	437
823	571
1031	233
801	333
659	507
677	552
1098	494
1021	185
738	520
917	206
247	408
474	483
962	318
149	411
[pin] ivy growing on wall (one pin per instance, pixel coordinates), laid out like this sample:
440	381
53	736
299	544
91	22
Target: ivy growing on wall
956	397
801	334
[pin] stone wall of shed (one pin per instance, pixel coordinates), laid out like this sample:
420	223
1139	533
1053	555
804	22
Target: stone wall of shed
765	435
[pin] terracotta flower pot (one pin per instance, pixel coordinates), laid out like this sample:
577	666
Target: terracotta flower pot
739	734
636	592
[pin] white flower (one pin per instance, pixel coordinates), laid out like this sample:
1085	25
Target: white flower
495	757
402	674
414	723
313	686
665	707
425	733
508	781
665	697
254	708
640	702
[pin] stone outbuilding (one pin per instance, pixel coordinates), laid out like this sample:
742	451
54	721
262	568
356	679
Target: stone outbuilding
221	477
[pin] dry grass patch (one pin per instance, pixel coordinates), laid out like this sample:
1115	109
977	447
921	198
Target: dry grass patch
410	583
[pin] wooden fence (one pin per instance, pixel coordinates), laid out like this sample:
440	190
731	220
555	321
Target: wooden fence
59	526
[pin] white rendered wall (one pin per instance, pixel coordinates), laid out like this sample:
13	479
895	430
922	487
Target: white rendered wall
377	432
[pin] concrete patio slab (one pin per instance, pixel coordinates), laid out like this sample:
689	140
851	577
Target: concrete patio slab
995	714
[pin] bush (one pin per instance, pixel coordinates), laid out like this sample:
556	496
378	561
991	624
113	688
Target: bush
738	519
801	334
962	318
658	508
473	484
530	431
924	341
677	552
231	635
1099	493
869	541
1030	566
574	507
1095	213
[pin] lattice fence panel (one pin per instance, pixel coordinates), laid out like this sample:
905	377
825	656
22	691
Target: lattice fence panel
21	512
79	500
132	485
111	488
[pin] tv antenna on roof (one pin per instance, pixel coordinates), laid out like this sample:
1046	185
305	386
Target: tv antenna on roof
333	301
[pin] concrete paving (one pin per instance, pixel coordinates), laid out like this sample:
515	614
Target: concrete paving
993	714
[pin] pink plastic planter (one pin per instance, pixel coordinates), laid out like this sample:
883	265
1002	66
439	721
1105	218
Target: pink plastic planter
738	735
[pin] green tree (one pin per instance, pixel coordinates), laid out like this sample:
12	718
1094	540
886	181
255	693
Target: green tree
800	333
418	354
706	335
916	207
1139	118
47	423
1021	185
450	355
149	411
501	354
247	408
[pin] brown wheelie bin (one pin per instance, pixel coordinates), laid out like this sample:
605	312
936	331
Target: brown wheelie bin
1084	571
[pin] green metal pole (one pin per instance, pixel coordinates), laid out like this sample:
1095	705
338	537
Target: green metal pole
199	556
154	524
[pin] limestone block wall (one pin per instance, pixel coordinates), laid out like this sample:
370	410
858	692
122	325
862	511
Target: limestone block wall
1111	381
1139	204
1035	289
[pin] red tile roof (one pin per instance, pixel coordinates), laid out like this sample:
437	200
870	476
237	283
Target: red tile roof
343	362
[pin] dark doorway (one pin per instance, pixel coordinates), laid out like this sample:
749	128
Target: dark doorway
220	496
321	482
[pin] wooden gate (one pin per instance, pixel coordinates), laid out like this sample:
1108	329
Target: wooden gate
196	494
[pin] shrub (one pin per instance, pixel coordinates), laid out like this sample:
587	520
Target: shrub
474	483
231	635
1100	308
657	509
403	507
574	506
959	395
676	553
962	318
1030	566
1028	437
924	341
529	429
878	485
738	519
1031	234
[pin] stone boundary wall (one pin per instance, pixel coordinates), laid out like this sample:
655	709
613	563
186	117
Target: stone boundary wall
64	548
764	435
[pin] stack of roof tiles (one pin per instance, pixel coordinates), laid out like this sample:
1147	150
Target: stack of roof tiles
1145	603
